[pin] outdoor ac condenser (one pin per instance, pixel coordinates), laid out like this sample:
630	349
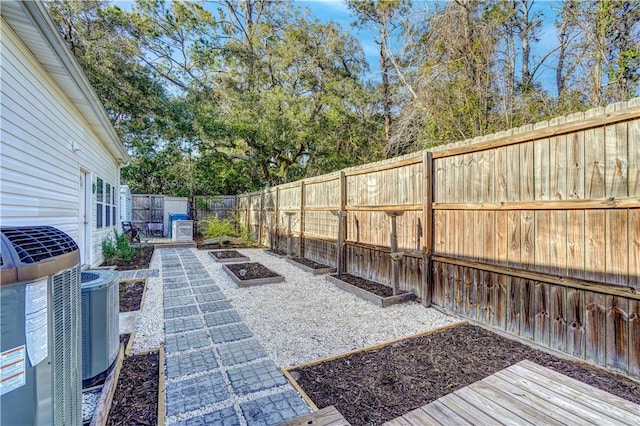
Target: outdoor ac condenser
100	323
40	327
182	230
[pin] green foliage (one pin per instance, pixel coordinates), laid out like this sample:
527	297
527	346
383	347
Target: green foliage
117	247
212	227
109	250
249	93
243	230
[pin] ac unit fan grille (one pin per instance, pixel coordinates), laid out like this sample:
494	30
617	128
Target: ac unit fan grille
36	243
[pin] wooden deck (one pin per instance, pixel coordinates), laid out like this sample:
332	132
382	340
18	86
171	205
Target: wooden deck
523	394
328	416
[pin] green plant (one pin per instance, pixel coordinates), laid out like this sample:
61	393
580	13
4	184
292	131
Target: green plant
109	250
242	229
117	247
213	227
124	247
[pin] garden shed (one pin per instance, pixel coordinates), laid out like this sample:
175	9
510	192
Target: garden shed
61	157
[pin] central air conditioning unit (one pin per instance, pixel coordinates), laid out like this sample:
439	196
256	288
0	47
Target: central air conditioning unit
182	230
100	323
40	327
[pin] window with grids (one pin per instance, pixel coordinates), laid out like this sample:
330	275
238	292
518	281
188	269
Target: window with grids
99	203
105	204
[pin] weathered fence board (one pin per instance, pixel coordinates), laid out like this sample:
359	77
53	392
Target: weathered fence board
557	315
617	333
595	327
634	338
542	313
576	312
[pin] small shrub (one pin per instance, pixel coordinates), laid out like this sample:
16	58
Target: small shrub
242	229
117	248
109	250
124	247
212	227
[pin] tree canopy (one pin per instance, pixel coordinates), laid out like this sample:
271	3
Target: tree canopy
235	95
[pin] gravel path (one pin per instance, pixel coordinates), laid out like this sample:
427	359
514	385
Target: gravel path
150	321
300	320
307	318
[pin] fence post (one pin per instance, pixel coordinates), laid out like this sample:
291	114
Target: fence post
261	217
427	219
274	237
340	243
302	214
342	223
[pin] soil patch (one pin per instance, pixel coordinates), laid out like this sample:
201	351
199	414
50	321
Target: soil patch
253	270
131	293
370	286
377	386
140	260
226	254
309	263
135	401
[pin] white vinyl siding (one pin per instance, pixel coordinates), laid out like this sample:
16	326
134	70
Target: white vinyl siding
40	172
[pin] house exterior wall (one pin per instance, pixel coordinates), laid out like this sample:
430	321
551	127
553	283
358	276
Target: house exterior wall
46	144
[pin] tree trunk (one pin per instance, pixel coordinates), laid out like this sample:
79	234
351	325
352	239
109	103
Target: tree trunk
386	92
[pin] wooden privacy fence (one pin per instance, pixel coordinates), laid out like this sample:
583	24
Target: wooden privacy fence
534	231
221	206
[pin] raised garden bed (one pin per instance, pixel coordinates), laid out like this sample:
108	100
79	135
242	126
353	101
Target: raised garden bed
378	384
373	292
140	260
250	274
228	256
277	253
311	266
219	243
138	397
131	295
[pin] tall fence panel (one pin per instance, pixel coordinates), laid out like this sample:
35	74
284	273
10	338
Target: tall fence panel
221	206
319	222
534	231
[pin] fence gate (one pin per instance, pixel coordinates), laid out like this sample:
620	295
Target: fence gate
147	208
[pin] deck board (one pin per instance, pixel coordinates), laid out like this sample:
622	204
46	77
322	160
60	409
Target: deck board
525	393
539	397
467	410
328	416
563	399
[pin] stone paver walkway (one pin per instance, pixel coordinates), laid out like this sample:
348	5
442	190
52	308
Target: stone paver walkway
217	372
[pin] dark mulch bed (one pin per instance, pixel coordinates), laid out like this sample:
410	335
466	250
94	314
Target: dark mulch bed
370	286
310	263
141	260
226	254
135	401
131	295
377	386
254	271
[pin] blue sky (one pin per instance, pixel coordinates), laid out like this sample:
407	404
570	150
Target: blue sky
337	10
